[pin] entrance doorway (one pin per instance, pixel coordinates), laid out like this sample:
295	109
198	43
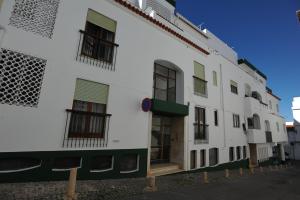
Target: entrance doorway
161	139
253	154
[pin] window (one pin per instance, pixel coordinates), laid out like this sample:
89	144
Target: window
234	87
238	153
213	156
98	42
215	78
88	118
200	84
1	1
267	126
193	159
277	126
66	163
21	78
284	128
129	163
216	117
231	154
250	123
244	152
247	90
277	107
200	127
102	163
8	165
236	121
256	121
270	105
202	158
164	83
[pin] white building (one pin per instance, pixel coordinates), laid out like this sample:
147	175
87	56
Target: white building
122	89
293	129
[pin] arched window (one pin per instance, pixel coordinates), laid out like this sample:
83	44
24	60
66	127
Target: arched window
256	121
256	95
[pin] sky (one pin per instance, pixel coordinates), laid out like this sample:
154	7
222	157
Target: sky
265	32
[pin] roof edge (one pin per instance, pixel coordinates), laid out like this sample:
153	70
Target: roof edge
245	61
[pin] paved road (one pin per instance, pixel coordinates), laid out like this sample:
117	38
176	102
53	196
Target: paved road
277	185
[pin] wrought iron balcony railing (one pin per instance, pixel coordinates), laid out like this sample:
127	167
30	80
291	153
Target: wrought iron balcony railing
96	51
201	133
86	129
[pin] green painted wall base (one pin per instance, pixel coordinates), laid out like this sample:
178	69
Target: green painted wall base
231	165
45	173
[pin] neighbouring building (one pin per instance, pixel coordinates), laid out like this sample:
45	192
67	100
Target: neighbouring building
293	129
123	89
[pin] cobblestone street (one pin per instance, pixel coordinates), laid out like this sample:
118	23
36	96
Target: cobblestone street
275	184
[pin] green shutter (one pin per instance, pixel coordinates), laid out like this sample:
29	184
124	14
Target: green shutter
215	79
233	83
199	70
101	20
91	91
1	1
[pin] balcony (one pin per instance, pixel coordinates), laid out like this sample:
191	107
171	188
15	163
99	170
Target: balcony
86	129
256	136
269	137
201	133
97	52
253	106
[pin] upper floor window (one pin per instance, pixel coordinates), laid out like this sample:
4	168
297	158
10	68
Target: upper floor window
236	121
200	126
234	87
254	122
216	118
164	83
270	105
277	126
215	78
88	117
200	84
277	107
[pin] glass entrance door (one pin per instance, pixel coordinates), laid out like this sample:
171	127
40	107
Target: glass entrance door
160	139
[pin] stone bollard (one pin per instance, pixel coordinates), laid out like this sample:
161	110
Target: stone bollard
205	177
71	189
227	175
151	185
261	169
251	169
241	171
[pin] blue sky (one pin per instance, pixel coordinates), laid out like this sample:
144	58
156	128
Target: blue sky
266	32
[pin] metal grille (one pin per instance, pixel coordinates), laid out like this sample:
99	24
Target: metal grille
21	78
37	16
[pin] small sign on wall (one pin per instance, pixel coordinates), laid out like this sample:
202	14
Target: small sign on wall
146	104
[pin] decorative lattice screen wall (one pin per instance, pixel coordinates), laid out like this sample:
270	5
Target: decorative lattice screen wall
37	16
21	78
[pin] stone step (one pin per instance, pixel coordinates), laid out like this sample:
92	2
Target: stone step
164	169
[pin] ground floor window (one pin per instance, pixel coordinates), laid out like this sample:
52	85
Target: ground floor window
102	163
238	153
231	154
213	156
202	158
18	164
245	152
193	159
129	163
66	163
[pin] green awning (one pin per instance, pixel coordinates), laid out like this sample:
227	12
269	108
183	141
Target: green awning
101	20
169	108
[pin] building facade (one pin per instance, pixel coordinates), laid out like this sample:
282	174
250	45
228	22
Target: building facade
123	89
293	129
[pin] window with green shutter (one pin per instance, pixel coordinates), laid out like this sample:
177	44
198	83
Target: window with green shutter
101	21
1	1
200	84
215	78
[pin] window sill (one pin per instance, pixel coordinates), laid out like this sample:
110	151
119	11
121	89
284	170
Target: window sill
201	142
201	95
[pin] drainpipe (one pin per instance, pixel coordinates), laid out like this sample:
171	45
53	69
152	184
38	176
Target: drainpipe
222	103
